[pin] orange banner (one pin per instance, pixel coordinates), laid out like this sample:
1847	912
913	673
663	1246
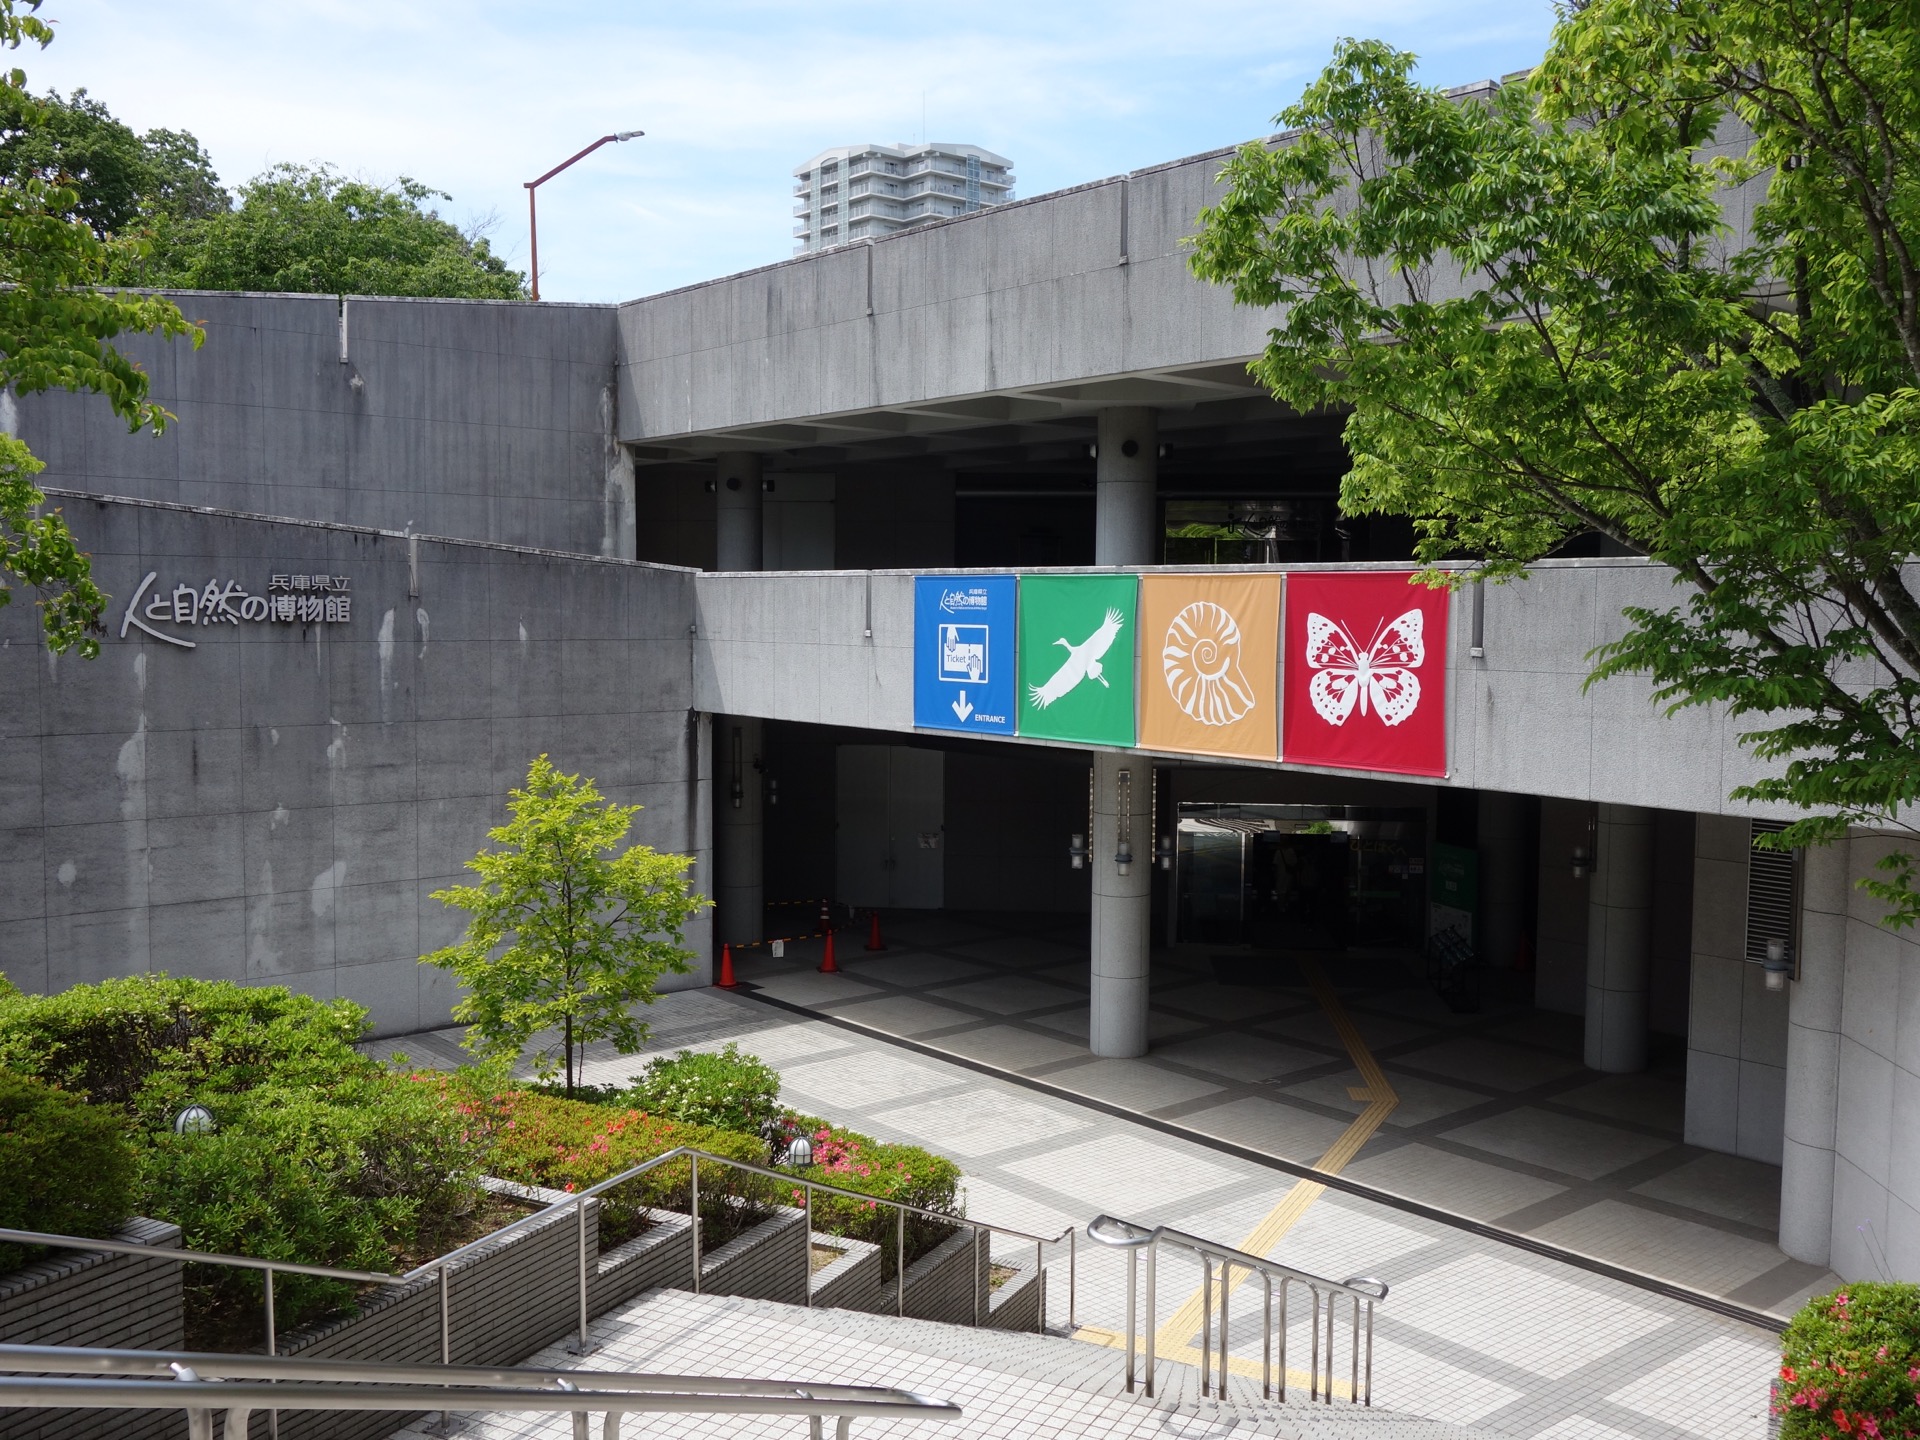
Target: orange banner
1209	664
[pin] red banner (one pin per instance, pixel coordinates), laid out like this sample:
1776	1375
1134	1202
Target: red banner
1364	672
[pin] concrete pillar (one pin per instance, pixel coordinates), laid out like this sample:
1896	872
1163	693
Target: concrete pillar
1126	469
739	832
1117	1024
1123	534
1504	859
1619	939
736	489
1813	1058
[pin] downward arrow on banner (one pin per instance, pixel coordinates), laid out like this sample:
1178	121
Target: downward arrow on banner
961	707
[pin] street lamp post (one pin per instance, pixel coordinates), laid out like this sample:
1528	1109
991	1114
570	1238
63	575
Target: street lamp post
533	218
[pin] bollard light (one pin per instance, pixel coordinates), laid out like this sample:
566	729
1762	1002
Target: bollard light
1077	852
1778	967
195	1120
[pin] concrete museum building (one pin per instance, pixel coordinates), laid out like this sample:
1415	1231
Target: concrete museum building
965	569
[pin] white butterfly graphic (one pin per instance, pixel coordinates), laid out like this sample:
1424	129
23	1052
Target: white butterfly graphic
1380	672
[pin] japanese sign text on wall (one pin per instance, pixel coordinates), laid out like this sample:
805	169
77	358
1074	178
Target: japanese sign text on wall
304	599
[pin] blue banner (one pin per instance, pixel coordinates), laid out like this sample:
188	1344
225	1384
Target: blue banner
963	662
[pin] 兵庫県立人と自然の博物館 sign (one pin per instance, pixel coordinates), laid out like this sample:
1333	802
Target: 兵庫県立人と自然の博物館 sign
1076	657
963	665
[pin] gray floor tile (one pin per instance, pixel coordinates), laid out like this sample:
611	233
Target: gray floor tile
1725	1185
1420	1100
1239	1056
1486	1062
1009	1047
1483	1189
1268	1125
1560	1143
1007	994
1132	1083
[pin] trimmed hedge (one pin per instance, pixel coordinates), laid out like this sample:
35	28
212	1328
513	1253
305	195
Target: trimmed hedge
541	1139
1850	1365
724	1089
67	1166
904	1173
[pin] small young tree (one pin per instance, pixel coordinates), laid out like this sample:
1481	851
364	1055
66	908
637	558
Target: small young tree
565	934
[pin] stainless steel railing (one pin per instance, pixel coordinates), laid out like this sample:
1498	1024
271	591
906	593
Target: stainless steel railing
1363	1291
241	1384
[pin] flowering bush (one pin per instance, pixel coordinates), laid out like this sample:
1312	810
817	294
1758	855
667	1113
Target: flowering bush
541	1139
725	1089
904	1173
1850	1366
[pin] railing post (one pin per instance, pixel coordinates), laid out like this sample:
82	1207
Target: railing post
696	1224
1313	1387
446	1340
582	1346
273	1416
1153	1310
1226	1290
1206	1323
1332	1300
1266	1336
806	1201
1283	1338
1133	1281
1369	1354
979	1280
1353	1380
1073	1279
900	1259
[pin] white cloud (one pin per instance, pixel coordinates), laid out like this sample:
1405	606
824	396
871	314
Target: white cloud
475	98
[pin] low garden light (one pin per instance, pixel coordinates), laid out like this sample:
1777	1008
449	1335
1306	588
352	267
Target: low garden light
195	1120
799	1153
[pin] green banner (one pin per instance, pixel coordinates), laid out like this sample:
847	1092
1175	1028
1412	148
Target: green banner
1076	651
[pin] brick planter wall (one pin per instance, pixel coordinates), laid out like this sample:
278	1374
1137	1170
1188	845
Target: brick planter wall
1019	1304
116	1301
949	1280
768	1262
853	1281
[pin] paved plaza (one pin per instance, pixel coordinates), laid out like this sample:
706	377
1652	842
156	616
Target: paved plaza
1476	1332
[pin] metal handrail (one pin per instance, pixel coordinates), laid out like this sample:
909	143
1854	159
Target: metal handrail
1362	1290
343	1385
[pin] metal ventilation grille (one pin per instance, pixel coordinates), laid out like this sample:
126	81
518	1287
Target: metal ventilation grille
1771	876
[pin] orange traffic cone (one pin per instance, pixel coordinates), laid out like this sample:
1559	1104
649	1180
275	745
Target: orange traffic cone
726	980
827	967
874	942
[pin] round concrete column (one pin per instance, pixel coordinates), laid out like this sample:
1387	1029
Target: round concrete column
737	513
1619	939
1126	469
1122	804
738	831
1813	1058
1123	534
1502	840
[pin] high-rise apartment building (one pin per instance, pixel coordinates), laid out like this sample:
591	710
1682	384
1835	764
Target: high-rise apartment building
858	192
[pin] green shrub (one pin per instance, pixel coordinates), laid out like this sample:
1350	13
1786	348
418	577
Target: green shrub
154	1043
68	1167
723	1089
1850	1365
372	1173
541	1139
903	1173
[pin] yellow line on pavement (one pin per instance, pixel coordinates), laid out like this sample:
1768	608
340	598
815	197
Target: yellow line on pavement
1174	1340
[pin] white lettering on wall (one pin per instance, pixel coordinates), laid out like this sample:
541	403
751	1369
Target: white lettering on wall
289	600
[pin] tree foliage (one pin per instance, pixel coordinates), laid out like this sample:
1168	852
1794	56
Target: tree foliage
56	329
565	936
310	229
1665	288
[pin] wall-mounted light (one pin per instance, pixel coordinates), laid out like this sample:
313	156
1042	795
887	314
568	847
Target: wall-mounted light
709	485
1163	852
738	790
1093	452
773	792
1582	862
1123	822
1077	852
1778	966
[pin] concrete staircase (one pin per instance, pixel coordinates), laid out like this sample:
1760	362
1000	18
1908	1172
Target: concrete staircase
1009	1383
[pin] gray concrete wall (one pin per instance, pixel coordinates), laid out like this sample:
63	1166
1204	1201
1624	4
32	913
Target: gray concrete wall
1737	1029
486	420
275	805
793	647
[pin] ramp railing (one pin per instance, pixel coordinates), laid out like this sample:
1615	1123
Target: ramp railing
44	1377
1323	1298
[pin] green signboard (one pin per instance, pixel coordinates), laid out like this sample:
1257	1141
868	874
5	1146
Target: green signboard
1076	651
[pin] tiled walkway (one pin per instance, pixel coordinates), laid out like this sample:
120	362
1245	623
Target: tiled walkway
1476	1332
1497	1118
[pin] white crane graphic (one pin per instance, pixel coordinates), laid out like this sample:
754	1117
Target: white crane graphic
1082	663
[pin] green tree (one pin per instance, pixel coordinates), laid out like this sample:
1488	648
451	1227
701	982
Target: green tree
123	183
310	229
56	326
565	936
1540	322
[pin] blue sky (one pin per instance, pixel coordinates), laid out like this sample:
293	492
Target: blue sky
476	97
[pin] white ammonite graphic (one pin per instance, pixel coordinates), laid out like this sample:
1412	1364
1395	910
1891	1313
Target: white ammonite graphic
1201	661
